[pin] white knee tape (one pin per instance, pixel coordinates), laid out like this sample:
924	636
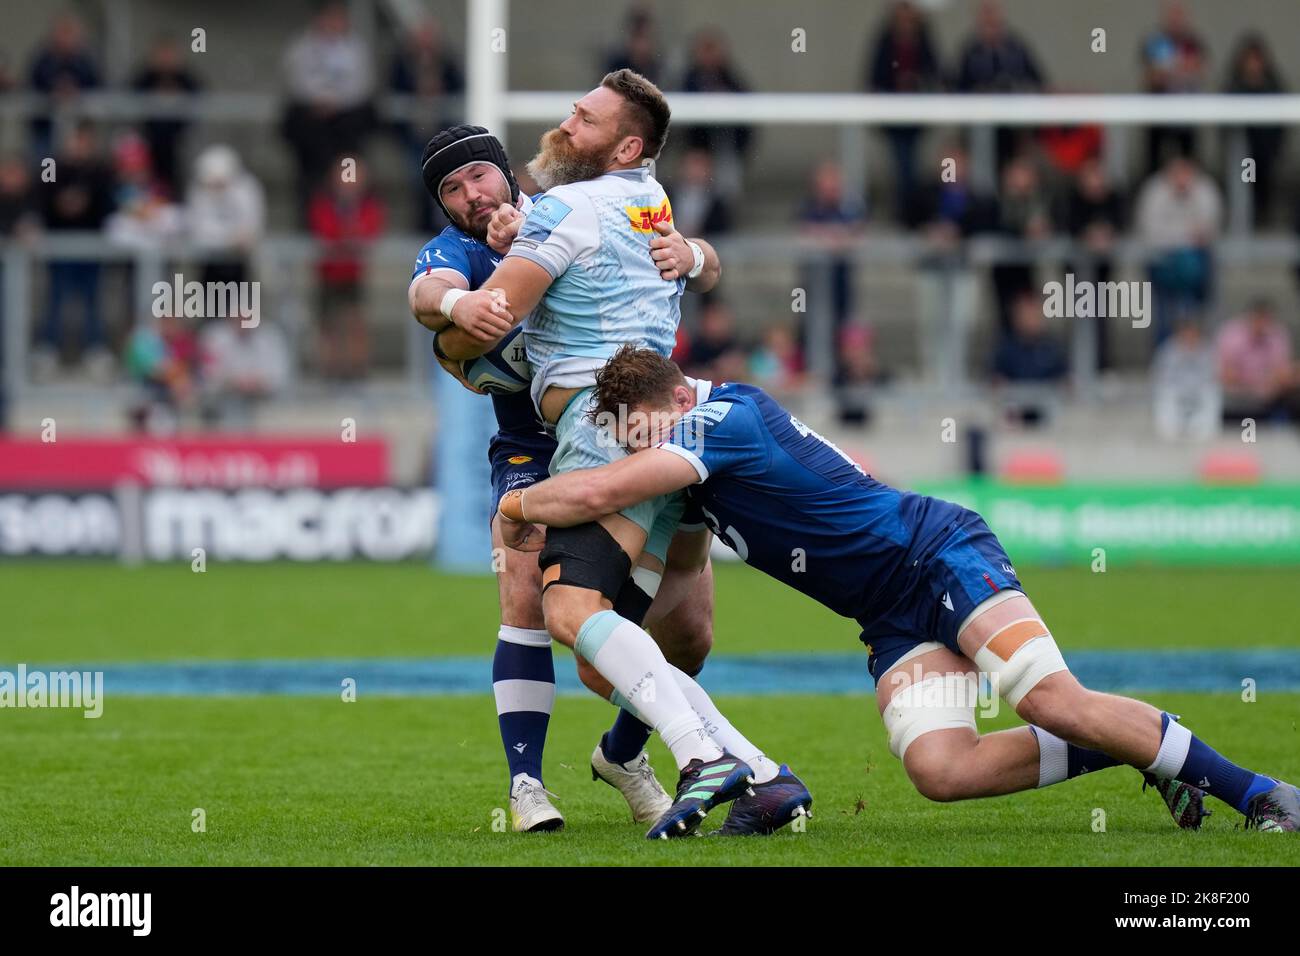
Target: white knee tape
939	702
1018	656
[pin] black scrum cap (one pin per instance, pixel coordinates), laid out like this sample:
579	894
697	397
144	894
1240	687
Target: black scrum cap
456	148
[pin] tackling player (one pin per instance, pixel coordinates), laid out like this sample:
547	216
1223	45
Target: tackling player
466	171
580	261
936	596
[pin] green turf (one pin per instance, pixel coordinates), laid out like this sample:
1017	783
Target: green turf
101	612
417	781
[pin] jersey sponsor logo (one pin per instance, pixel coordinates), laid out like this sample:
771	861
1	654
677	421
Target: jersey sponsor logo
547	213
520	479
644	218
519	459
712	412
426	256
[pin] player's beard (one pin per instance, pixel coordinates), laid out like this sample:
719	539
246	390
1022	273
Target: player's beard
558	162
476	224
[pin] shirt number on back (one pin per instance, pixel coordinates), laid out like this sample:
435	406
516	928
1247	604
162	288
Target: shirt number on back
731	537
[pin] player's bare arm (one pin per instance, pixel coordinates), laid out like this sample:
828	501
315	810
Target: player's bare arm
442	298
688	556
517	285
425	296
679	257
579	496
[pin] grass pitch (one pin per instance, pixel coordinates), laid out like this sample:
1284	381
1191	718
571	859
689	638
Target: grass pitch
421	780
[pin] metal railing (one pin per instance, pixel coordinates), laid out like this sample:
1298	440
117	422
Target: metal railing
762	272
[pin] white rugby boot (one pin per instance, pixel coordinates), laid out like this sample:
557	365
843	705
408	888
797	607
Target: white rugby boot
530	807
636	780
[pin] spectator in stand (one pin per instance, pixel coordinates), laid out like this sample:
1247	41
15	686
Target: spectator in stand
1029	355
1179	214
1066	150
858	370
904	62
226	213
947	289
330	78
1028	352
1173	61
639	51
144	215
777	363
425	69
165	73
711	71
950	208
1252	71
19	210
1024	216
8	80
698	209
1188	401
835	224
1094	216
995	60
62	69
715	351
1257	368
79	200
241	368
345	216
162	357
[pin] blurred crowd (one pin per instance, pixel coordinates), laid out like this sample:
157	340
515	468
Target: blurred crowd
155	183
1050	182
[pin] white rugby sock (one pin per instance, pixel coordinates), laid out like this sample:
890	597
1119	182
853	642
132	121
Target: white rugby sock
628	658
1053	757
720	729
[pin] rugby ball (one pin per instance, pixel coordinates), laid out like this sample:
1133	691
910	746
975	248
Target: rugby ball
505	369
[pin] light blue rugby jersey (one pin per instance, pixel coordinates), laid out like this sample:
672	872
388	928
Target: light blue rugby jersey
593	238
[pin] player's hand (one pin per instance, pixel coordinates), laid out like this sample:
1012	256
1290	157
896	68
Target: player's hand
484	314
453	368
521	535
670	252
503	227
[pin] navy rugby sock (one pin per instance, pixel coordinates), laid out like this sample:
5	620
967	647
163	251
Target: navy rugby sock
523	683
1183	756
625	739
1061	760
